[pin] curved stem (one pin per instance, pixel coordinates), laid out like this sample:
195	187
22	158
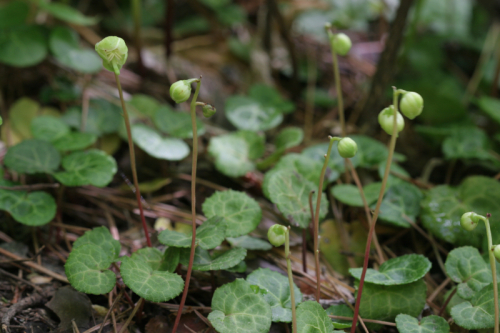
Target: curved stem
392	146
193	205
493	273
290	279
316	218
132	160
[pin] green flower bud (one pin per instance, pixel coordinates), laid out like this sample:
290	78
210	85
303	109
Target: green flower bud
347	147
496	252
468	221
208	110
411	104
181	90
277	234
113	52
386	120
341	43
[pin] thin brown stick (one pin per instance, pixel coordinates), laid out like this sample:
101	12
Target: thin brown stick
445	304
129	319
117	299
386	323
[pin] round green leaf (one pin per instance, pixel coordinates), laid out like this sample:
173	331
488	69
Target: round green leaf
32	156
278	292
208	236
203	261
248	114
350	195
289	137
465	266
386	302
23	46
34	209
241	213
478	313
66	13
141	273
443	206
144	104
400	201
13	14
102	238
48	128
162	148
430	324
74	141
311	317
340	310
237	308
21	114
250	243
177	124
256	143
401	270
92	167
87	270
290	192
103	117
467	143
270	97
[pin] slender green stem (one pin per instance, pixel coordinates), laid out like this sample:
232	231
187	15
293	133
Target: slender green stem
193	205
290	279
493	273
392	146
132	160
316	217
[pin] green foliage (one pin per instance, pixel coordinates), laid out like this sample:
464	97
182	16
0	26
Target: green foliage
290	192
146	273
48	128
443	206
34	209
176	124
74	141
278	293
241	213
386	302
66	13
203	261
23	46
467	143
430	324
340	310
349	194
157	146
13	13
32	156
400	202
91	167
397	271
208	236
249	243
21	113
289	137
490	106
465	266
87	267
103	117
237	308
146	105
478	312
311	317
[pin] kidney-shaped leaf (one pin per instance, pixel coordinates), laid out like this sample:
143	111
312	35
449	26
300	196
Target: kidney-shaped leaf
148	279
250	243
48	128
32	156
34	209
237	308
74	141
465	266
430	324
92	167
477	313
349	194
401	270
278	292
248	114
241	213
67	13
233	153
163	148
401	201
203	261
177	124
289	137
311	317
102	238
290	192
23	46
340	310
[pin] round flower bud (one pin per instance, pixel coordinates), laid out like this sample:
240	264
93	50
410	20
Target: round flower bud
341	43
113	52
208	110
496	252
347	147
468	222
411	104
180	91
386	120
277	234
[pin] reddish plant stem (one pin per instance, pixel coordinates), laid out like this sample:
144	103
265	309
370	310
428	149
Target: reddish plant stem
193	205
392	146
132	161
